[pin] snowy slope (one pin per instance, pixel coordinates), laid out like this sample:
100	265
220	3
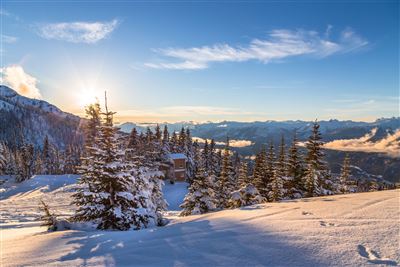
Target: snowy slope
344	230
26	120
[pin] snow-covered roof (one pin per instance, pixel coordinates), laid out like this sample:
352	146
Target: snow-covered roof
177	156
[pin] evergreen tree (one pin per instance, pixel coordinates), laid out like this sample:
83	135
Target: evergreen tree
201	197
3	158
260	178
158	134
165	134
247	194
133	141
225	180
295	170
317	176
174	143
205	157
345	175
279	175
106	195
93	113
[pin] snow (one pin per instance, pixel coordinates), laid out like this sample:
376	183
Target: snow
344	230
174	194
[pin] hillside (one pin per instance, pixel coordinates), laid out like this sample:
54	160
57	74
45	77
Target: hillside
29	120
343	230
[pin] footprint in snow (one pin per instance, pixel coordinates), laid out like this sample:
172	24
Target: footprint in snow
373	256
306	213
322	223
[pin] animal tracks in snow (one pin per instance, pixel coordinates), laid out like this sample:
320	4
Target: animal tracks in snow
306	213
323	223
373	256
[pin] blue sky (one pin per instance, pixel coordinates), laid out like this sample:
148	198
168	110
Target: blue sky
173	61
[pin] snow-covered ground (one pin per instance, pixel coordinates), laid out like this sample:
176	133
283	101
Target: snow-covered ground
344	230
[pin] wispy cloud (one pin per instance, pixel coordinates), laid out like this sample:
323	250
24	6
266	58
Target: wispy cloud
389	145
278	45
78	32
23	83
8	39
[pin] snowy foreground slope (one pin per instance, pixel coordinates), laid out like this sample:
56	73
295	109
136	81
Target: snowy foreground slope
344	230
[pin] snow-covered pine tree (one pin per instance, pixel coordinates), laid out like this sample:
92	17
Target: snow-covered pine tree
93	113
243	177
133	141
226	179
295	170
158	133
344	185
165	134
182	140
174	143
3	158
105	196
25	163
191	165
205	157
247	194
316	174
279	178
158	202
214	160
201	196
260	179
48	218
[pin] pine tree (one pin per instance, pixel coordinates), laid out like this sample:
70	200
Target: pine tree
243	177
105	195
93	113
3	158
205	157
260	178
158	134
201	197
165	134
269	172
189	152
317	176
295	170
279	177
214	160
225	183
345	175
133	141
247	193
174	143
48	218
182	140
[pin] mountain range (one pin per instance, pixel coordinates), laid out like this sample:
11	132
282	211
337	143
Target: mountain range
373	146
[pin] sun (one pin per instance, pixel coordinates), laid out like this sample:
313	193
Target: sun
86	97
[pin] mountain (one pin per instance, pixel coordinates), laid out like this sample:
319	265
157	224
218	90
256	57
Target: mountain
29	120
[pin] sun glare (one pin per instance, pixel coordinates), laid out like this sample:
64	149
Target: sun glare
86	97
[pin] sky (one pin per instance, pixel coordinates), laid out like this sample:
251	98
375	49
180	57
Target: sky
206	60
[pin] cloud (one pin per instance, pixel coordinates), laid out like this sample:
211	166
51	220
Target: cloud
15	77
389	145
278	45
8	39
78	32
232	143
